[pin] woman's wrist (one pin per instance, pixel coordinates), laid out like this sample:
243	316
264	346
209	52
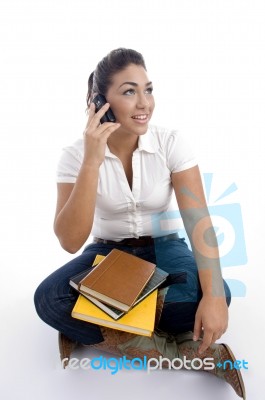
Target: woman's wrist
89	165
214	293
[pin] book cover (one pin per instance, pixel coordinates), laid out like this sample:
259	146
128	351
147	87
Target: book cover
139	320
76	279
156	280
118	279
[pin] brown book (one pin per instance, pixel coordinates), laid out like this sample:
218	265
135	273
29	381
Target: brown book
118	279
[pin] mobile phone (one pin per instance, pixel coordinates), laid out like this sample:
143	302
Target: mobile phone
99	101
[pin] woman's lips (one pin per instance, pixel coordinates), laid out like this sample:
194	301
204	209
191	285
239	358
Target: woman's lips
141	118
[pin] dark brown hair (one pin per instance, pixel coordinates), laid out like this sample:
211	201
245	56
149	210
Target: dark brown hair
116	61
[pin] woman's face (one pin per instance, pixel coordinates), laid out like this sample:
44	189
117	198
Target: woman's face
131	99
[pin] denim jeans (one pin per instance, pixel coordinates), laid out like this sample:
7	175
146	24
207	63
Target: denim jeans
55	298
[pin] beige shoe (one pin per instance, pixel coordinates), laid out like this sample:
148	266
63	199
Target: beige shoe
171	347
223	359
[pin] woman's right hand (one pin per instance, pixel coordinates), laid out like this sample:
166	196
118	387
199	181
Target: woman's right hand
76	202
96	136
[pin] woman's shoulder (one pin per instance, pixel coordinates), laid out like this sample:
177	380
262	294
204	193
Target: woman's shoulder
76	149
70	161
175	147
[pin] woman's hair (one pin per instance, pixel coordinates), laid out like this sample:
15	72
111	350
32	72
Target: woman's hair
116	61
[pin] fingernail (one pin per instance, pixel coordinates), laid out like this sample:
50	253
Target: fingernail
195	338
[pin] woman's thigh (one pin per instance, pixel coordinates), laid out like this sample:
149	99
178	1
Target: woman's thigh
55	298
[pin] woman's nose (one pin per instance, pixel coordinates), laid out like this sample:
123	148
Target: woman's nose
142	101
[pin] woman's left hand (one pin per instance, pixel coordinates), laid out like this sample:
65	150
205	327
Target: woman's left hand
211	319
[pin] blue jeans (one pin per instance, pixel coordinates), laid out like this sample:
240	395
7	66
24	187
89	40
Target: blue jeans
55	298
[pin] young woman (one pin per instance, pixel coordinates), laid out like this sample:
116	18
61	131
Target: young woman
115	184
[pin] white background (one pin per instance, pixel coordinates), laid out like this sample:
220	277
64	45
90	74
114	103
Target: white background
207	62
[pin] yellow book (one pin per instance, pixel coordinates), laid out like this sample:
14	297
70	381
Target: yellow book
139	320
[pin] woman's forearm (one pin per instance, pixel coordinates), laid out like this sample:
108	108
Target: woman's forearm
204	244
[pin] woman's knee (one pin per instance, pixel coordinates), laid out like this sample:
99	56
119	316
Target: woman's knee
50	291
41	298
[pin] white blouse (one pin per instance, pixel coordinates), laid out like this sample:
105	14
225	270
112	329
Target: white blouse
124	213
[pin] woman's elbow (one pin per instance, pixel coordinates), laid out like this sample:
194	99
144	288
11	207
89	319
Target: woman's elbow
69	240
69	246
67	243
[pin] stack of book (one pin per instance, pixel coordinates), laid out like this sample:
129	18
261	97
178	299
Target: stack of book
120	292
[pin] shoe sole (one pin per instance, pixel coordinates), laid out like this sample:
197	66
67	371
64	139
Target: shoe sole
239	375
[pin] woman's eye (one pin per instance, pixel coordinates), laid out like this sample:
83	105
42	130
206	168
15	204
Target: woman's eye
129	92
149	90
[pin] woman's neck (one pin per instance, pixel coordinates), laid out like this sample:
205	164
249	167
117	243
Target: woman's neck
122	144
